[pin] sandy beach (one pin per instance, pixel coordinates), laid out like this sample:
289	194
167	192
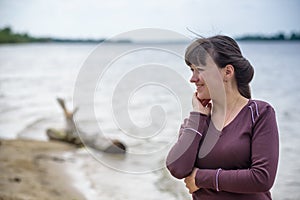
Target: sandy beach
35	170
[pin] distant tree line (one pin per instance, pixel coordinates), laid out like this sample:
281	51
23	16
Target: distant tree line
276	37
8	36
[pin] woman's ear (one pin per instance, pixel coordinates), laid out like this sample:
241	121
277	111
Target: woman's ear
228	71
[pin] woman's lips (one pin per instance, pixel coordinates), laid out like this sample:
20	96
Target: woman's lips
200	86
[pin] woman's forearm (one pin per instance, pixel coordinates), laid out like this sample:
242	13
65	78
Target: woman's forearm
181	158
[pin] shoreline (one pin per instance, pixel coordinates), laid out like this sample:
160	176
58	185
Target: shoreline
32	169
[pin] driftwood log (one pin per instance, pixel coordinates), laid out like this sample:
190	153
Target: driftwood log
71	135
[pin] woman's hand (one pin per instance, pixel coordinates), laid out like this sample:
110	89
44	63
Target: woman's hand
190	182
201	105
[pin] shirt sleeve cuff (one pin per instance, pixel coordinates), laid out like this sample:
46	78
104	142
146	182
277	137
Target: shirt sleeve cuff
208	178
197	121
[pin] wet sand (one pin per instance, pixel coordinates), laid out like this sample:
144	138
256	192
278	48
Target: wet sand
32	170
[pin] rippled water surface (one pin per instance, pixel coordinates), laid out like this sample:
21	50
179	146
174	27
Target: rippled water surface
128	106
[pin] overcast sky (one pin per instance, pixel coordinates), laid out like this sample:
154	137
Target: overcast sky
106	18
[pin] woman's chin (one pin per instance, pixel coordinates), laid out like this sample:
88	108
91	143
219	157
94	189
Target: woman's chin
201	96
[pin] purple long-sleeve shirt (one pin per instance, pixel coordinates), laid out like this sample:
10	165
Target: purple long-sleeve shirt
242	164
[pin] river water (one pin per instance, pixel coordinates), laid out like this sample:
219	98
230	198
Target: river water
140	93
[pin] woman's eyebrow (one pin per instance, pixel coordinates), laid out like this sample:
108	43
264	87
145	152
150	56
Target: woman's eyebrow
194	67
197	68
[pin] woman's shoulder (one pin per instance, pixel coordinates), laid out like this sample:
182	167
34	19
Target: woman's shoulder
260	104
259	108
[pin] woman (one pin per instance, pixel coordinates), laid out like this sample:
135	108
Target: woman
228	147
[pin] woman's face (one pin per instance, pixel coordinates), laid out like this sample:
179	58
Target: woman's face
198	78
208	80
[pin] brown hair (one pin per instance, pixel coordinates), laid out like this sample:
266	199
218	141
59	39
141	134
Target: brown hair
223	50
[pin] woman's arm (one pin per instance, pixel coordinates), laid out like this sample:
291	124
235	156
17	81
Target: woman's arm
181	158
260	177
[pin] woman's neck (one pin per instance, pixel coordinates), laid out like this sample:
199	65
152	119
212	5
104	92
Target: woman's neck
232	100
224	112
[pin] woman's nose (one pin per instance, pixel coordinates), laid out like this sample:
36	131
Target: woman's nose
194	77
